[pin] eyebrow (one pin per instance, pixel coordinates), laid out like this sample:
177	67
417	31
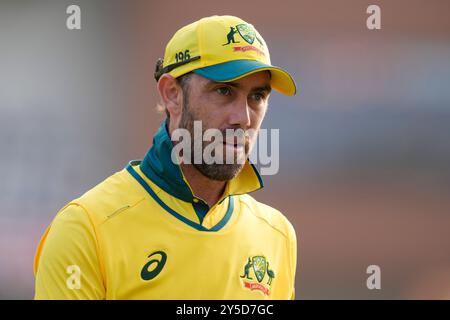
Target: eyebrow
266	88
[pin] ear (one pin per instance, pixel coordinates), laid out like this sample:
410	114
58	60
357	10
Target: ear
171	95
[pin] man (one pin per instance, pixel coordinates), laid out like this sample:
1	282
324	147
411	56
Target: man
168	229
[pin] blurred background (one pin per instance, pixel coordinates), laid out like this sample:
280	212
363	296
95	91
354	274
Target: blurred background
365	145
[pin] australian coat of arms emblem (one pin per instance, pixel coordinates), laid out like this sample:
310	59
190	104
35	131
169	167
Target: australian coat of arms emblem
257	275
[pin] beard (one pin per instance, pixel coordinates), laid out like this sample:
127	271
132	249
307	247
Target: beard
215	171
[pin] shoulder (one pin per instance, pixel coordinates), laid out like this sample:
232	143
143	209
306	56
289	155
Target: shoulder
116	193
69	244
69	230
77	224
269	215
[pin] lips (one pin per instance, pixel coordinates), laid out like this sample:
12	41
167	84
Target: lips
234	145
235	142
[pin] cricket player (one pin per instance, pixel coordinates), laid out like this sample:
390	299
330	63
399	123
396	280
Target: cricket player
167	229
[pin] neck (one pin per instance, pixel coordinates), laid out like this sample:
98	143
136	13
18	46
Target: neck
203	187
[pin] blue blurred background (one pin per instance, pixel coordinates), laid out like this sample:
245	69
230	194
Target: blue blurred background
365	145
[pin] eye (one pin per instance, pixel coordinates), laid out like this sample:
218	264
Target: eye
225	91
258	96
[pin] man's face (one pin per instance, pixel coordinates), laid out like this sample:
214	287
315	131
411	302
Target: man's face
239	104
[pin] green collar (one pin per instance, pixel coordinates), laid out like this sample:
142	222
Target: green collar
158	167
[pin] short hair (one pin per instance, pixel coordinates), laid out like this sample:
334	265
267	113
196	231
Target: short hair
183	82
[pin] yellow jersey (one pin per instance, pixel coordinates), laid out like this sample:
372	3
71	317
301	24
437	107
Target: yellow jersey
143	234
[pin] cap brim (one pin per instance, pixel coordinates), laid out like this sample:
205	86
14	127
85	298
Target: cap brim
281	80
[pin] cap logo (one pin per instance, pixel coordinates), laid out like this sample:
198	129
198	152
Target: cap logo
230	36
246	31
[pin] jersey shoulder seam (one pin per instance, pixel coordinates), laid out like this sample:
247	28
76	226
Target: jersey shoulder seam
97	240
265	220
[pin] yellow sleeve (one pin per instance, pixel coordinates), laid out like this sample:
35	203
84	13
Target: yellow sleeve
66	264
293	262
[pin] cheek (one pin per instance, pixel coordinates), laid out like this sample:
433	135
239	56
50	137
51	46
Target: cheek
205	112
257	117
212	115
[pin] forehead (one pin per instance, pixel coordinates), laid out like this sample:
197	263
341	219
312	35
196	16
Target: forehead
255	80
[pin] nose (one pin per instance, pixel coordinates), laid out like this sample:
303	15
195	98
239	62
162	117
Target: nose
240	114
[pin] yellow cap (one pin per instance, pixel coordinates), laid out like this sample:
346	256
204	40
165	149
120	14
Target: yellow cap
222	48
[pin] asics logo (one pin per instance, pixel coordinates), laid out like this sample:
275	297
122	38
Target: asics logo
152	268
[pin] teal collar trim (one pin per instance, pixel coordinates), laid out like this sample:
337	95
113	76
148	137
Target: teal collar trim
193	224
159	167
